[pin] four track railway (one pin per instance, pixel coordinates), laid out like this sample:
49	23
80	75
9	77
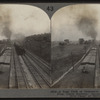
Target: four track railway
25	71
29	71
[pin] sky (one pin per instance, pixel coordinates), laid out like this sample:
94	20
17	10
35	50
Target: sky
26	20
76	21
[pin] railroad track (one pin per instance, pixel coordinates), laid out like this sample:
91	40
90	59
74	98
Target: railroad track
89	60
26	73
3	50
5	64
17	78
39	62
36	73
39	59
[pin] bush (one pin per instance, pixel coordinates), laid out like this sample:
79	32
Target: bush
40	45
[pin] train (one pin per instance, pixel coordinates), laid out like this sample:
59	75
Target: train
90	59
20	50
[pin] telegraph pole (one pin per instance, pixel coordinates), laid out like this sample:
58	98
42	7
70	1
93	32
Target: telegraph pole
72	60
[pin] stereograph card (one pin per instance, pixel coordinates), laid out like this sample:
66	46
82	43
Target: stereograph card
49	50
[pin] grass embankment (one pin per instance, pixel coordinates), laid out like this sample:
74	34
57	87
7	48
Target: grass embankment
63	57
39	45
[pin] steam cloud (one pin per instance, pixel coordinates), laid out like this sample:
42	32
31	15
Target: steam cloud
85	18
19	38
5	24
87	26
81	19
87	22
5	21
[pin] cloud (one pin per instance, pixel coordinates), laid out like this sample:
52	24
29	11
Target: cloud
76	21
22	19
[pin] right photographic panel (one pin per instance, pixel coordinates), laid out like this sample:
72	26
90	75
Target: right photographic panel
75	48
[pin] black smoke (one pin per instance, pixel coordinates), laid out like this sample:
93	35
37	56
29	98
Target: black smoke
87	26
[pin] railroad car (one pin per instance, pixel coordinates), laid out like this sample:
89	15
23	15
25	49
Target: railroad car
90	58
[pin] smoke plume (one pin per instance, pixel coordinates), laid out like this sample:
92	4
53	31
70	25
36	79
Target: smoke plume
87	22
76	21
5	21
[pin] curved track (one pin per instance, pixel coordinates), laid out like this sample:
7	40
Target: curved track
79	78
27	71
38	77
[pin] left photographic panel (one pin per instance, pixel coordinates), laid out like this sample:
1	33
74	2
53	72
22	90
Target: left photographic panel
25	43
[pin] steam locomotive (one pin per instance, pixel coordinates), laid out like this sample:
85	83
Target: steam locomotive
19	48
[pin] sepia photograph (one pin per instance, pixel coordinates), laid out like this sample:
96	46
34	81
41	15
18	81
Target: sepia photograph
75	46
25	43
49	50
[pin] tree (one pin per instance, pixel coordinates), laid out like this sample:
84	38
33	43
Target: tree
81	41
66	41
